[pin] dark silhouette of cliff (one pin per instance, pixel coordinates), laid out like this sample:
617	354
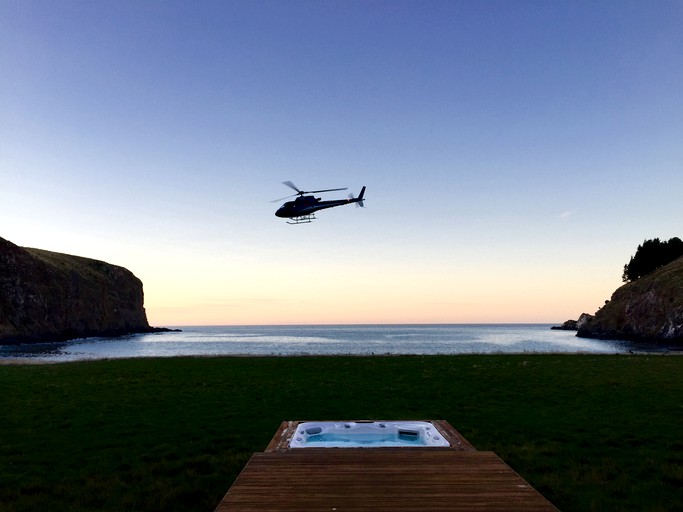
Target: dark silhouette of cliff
48	296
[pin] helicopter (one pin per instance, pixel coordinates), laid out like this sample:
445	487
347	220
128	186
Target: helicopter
302	209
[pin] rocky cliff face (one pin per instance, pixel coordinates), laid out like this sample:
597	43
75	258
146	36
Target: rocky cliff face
47	296
649	309
574	325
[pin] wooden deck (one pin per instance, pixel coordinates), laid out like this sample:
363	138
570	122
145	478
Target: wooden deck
403	479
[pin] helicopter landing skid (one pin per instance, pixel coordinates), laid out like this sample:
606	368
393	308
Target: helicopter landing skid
303	219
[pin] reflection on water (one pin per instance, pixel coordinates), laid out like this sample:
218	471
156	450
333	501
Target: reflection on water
323	340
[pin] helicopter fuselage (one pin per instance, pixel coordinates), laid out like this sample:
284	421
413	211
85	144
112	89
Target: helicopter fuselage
306	205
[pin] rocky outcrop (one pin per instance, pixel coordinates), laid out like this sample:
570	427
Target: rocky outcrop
649	309
47	296
574	325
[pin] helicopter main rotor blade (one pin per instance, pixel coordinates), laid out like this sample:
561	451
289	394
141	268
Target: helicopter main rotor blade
326	190
293	187
302	192
283	198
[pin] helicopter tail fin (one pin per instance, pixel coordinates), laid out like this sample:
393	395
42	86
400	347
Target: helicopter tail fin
359	201
360	196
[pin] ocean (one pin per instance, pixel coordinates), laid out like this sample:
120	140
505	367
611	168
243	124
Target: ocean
298	340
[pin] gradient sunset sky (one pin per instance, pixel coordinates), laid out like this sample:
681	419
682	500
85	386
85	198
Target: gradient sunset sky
515	153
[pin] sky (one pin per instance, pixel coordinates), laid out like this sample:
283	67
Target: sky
515	153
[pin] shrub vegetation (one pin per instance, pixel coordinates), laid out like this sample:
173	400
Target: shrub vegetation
651	255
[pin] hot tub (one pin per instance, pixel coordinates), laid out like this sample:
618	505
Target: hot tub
367	434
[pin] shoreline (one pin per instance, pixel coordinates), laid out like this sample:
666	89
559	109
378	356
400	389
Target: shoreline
29	361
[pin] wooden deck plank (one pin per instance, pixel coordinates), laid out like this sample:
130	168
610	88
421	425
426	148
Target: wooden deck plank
458	442
368	479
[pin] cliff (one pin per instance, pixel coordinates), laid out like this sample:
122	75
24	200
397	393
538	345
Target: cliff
649	309
47	296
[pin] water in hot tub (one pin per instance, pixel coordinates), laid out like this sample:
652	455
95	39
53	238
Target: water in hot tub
364	438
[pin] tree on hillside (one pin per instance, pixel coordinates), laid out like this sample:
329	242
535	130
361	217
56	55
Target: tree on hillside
651	255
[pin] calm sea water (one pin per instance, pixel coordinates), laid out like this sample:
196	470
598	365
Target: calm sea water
323	340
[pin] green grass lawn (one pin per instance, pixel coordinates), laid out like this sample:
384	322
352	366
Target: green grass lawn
589	432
